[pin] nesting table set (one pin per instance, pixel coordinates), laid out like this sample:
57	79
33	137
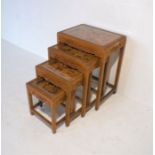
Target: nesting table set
79	51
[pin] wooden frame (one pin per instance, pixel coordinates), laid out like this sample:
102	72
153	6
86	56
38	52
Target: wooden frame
69	83
92	44
84	66
79	37
53	100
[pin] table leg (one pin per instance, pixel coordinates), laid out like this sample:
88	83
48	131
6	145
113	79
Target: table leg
30	101
73	108
89	89
105	76
53	119
121	53
68	110
100	83
84	94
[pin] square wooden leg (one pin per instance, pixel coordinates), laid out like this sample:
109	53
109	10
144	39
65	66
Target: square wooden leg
89	89
68	109
105	76
73	108
84	94
100	84
53	119
30	101
121	53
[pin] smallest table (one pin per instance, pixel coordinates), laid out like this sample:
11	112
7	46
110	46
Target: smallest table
101	43
49	94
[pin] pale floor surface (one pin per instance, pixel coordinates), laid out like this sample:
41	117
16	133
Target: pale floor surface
120	127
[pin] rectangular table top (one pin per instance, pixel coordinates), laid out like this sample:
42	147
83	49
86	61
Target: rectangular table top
91	39
93	34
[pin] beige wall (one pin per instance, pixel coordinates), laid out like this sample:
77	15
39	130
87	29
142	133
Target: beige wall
32	25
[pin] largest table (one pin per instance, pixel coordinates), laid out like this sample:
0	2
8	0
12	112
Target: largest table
101	43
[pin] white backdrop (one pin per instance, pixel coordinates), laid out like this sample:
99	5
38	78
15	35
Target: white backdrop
32	25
